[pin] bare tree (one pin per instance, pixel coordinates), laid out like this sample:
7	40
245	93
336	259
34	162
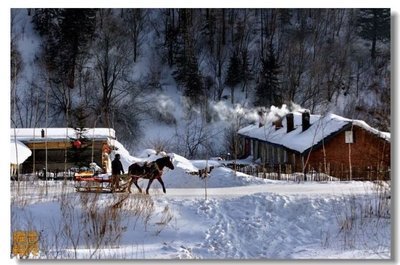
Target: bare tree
16	67
136	19
113	58
217	49
194	139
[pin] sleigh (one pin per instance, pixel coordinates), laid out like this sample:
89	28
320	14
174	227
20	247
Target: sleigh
89	182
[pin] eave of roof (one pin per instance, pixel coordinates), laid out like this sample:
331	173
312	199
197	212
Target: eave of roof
60	134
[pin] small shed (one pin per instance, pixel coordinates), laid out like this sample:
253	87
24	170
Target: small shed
18	154
341	147
65	148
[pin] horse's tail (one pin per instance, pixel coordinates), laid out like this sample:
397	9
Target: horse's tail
130	169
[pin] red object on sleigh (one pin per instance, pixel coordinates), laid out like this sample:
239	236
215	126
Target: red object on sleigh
77	144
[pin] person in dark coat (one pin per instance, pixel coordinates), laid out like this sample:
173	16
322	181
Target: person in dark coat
116	169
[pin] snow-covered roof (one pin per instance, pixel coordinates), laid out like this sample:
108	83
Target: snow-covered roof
18	152
34	134
297	140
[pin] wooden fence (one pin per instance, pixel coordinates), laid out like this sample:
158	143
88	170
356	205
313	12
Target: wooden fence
333	172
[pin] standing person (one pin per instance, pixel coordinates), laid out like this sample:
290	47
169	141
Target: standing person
116	168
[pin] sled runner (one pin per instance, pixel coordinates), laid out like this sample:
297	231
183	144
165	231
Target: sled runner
88	182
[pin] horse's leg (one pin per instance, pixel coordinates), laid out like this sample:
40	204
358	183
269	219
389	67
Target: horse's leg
134	180
130	185
113	182
148	185
162	184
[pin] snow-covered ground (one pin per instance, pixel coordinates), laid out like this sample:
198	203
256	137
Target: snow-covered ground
226	216
242	217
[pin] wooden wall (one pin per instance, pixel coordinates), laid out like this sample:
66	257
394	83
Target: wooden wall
368	154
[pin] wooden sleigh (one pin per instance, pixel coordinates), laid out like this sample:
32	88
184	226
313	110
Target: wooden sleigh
88	182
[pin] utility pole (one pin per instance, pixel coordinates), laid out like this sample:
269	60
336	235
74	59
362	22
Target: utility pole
45	136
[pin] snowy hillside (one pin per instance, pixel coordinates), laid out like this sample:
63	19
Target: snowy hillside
226	216
189	96
183	82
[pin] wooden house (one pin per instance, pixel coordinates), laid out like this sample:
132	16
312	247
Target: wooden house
341	147
65	148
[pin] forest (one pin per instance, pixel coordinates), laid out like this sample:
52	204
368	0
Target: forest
109	67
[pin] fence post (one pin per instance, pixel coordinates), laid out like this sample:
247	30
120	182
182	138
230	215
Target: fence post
368	173
342	173
328	168
279	171
377	172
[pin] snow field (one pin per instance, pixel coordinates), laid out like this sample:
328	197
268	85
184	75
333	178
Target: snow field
242	218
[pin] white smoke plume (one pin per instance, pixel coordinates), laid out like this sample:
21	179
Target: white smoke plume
224	111
227	112
165	103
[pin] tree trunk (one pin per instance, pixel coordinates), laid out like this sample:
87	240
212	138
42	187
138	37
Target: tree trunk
373	49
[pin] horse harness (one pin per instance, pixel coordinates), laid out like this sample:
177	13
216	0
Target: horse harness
151	170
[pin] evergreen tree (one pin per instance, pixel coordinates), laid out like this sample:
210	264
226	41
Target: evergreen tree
46	22
66	33
187	75
209	29
187	72
268	89
245	71
374	25
170	36
80	153
233	76
77	28
285	15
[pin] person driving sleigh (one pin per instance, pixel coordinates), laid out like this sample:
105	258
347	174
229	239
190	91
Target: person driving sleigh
116	169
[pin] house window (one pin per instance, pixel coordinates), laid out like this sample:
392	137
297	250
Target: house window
274	155
240	144
269	154
263	152
255	150
281	155
247	147
285	156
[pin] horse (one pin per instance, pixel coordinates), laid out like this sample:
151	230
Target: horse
152	170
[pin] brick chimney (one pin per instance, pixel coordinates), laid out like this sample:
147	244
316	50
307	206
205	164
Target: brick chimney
305	120
277	123
261	118
290	122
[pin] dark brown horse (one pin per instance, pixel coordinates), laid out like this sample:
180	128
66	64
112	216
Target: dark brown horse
152	170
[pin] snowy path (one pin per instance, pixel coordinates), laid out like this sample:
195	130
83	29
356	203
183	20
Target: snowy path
305	189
